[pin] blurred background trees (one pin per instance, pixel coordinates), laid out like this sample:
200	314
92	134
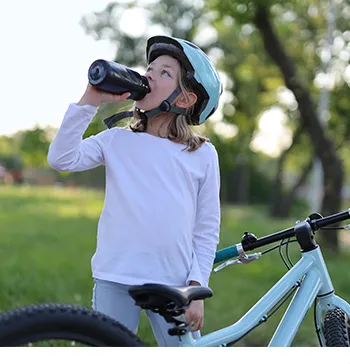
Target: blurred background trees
276	59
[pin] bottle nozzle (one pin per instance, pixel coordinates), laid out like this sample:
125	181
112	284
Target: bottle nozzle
145	83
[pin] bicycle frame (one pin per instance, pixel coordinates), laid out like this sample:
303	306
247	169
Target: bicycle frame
311	277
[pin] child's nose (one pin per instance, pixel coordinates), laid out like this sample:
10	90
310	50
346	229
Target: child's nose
149	75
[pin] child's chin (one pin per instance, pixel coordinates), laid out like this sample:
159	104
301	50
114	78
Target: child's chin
144	105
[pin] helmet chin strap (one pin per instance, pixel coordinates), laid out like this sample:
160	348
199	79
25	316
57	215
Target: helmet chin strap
165	106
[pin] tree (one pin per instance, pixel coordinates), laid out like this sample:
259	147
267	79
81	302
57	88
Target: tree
34	146
259	13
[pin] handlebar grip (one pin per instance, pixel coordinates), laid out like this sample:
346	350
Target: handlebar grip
332	219
226	253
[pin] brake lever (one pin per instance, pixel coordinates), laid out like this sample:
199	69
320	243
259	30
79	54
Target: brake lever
242	259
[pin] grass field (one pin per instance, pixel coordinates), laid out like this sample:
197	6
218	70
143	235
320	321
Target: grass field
48	237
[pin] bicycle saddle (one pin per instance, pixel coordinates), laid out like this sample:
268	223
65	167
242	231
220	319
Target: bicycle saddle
157	296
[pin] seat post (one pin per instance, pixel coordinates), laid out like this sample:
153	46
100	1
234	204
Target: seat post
181	327
185	337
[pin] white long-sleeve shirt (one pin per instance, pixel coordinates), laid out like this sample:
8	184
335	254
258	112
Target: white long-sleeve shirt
161	215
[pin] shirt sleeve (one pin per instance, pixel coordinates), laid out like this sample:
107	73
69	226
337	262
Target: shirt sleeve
207	223
69	151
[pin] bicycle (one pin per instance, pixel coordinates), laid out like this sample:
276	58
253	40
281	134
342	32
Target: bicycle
308	280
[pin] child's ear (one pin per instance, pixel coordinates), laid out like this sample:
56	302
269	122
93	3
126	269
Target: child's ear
186	100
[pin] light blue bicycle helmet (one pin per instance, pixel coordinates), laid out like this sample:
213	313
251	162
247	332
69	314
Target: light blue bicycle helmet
201	75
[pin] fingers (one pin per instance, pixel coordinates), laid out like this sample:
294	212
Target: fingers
196	322
195	315
95	97
122	97
110	98
106	97
196	325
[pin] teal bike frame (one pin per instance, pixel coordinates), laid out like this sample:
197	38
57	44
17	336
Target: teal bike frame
309	276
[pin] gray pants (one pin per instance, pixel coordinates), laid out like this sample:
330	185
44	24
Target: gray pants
114	300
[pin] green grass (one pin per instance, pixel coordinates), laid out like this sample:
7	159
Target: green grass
48	236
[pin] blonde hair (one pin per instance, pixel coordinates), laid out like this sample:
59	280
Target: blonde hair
179	130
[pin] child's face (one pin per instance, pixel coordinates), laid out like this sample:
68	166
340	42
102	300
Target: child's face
163	75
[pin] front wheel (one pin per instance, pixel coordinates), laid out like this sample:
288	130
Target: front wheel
30	325
336	328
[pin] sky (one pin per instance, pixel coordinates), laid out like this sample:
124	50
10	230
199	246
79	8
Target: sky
45	56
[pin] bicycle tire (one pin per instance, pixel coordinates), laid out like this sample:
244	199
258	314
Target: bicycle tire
336	330
51	321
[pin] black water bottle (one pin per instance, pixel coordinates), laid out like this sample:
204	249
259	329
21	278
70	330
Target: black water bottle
116	79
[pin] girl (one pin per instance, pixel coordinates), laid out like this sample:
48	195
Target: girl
161	215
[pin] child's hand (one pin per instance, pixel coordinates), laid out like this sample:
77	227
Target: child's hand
95	97
195	315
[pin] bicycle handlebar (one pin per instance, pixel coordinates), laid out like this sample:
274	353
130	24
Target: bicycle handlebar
225	254
315	224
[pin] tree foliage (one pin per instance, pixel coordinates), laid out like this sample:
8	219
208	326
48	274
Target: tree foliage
34	146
